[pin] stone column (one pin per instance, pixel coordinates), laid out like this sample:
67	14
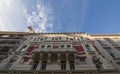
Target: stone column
67	54
49	57
75	56
41	57
33	58
58	57
39	65
40	60
67	61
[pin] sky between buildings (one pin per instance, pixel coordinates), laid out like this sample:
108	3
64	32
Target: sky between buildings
91	16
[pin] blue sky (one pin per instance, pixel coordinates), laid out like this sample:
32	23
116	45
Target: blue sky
91	16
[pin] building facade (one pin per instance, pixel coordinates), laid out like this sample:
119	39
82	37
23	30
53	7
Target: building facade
59	53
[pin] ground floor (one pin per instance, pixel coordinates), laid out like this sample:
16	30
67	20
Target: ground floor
60	72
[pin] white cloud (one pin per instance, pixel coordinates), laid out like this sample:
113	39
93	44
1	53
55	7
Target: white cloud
11	16
41	18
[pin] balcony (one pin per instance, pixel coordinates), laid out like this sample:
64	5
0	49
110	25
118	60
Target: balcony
55	50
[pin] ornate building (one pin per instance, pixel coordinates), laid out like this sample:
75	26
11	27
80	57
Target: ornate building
59	53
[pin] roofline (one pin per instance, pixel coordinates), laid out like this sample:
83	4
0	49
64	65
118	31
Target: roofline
27	33
11	32
104	34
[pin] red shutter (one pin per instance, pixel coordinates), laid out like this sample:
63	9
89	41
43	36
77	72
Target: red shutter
55	46
79	48
82	58
32	47
29	49
26	59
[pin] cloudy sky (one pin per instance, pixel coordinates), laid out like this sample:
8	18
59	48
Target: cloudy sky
91	16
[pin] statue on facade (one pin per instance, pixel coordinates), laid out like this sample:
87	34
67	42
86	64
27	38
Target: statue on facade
97	62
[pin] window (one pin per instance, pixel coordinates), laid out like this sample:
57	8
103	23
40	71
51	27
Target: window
118	63
82	38
45	38
82	59
35	65
101	42
67	38
71	38
62	46
49	46
110	41
88	47
111	53
59	38
43	66
71	63
56	38
68	46
52	38
8	65
63	65
23	48
43	46
118	48
41	39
